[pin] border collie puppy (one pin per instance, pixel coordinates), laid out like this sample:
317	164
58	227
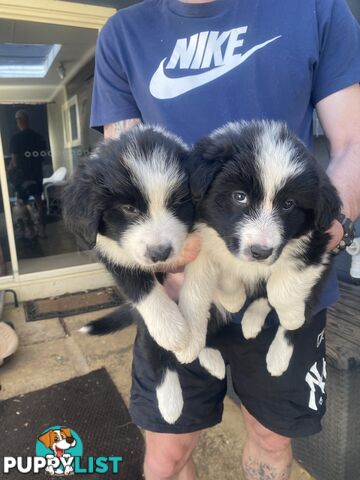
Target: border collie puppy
263	208
131	202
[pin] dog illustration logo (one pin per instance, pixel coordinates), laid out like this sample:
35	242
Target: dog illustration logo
59	445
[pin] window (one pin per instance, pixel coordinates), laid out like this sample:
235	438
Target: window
71	123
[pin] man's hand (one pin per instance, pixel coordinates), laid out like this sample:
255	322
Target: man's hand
175	277
337	232
188	254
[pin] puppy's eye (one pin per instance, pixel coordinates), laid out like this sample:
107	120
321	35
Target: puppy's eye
240	198
129	210
288	205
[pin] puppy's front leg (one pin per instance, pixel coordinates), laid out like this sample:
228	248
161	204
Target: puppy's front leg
254	317
195	300
288	290
279	353
230	293
161	315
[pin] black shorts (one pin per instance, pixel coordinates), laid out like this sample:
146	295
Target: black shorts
291	405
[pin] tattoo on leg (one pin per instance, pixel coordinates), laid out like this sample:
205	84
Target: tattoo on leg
255	470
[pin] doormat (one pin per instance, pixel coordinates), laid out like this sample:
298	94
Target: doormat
91	412
72	304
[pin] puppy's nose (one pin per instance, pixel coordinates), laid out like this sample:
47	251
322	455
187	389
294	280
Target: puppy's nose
259	252
159	253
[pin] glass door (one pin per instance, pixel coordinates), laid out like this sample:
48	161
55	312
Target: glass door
46	77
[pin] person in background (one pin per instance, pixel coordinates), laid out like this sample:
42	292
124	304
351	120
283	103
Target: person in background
191	66
28	149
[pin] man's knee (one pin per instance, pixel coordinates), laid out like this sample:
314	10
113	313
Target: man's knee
166	454
265	439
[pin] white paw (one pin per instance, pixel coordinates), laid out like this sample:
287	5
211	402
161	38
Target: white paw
189	354
279	354
169	396
250	327
231	302
213	362
291	320
254	318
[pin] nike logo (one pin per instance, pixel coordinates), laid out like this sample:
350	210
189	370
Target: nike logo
164	87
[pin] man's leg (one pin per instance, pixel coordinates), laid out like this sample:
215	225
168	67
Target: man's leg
267	455
169	456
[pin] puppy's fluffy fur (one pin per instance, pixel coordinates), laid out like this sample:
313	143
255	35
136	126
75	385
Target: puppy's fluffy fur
131	202
263	206
263	209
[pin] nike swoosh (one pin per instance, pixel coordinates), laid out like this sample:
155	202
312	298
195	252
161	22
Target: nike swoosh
163	87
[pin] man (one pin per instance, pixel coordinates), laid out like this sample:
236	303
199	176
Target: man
191	66
27	149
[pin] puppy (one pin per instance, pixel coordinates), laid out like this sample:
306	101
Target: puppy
58	441
263	209
131	202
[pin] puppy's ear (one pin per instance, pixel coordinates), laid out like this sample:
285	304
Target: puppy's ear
328	203
83	202
206	160
47	438
66	431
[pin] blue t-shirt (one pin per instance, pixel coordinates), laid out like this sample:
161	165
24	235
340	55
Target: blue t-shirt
193	67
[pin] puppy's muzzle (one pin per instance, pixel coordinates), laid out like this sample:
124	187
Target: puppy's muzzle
160	253
258	252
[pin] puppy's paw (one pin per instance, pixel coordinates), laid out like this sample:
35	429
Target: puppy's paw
188	354
169	396
213	362
279	354
232	303
292	319
254	318
250	328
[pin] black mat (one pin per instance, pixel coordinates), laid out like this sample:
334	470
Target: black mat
72	304
92	406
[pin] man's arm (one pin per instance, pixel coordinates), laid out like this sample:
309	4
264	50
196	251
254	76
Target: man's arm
12	163
339	115
113	130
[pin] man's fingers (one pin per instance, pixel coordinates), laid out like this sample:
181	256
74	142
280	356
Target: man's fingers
337	232
172	284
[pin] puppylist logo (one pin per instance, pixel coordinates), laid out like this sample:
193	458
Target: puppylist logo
59	452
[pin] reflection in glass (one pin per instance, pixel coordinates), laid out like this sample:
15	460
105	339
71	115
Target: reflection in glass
45	130
5	265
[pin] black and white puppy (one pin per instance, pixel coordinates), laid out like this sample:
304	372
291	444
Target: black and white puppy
263	208
131	202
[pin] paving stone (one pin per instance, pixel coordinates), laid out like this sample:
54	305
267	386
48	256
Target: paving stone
39	332
14	315
110	351
37	366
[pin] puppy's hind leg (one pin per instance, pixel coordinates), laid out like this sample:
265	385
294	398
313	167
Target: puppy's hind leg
254	317
169	396
280	353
